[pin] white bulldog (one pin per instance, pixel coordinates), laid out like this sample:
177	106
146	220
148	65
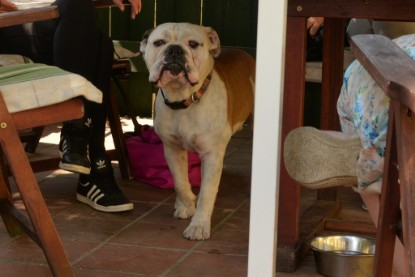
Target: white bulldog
204	97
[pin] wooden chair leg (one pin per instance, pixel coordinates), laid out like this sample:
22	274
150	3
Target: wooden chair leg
120	68
12	226
397	199
389	213
33	142
119	139
406	148
31	137
44	232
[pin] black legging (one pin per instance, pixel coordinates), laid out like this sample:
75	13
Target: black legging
74	43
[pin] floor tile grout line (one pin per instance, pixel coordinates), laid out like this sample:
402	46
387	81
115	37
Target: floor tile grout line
100	245
238	208
192	250
19	262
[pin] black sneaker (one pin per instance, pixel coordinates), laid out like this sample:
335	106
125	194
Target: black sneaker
100	191
73	147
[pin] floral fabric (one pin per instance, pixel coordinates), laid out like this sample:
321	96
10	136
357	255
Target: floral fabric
363	110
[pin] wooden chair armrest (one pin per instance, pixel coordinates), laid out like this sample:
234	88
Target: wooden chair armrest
27	16
388	65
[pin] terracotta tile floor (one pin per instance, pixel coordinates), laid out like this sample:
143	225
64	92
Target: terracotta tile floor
148	240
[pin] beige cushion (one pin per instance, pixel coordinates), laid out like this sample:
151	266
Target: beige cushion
9	59
29	4
29	86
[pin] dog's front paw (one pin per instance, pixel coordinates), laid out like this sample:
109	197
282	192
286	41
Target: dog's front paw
182	210
197	231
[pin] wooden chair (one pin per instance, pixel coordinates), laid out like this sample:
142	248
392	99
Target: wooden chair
295	228
394	71
32	136
36	221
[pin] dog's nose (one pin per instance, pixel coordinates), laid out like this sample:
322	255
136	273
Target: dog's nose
174	51
175	59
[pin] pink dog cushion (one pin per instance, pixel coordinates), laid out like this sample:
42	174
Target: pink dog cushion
148	164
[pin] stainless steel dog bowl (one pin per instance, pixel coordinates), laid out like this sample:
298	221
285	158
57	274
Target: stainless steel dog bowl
343	256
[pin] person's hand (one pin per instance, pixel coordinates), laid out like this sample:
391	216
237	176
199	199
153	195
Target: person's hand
314	23
135	6
7	6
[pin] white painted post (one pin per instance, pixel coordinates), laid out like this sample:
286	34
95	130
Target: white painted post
270	59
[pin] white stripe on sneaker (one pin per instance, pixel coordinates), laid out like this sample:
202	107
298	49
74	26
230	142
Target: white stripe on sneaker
94	194
99	197
116	208
91	191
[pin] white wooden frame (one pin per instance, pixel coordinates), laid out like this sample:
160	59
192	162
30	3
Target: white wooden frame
267	133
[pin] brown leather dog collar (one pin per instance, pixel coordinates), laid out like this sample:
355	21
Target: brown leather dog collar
194	98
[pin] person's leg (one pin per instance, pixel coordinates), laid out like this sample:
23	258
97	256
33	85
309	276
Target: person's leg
34	41
90	53
76	42
102	193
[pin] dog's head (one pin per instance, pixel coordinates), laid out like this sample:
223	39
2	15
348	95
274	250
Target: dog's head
178	55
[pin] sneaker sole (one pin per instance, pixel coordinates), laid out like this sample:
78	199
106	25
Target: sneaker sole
110	209
75	168
318	160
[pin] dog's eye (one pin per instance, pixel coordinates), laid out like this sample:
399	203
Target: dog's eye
193	44
158	43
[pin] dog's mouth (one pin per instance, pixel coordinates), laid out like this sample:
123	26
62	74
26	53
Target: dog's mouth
177	71
174	68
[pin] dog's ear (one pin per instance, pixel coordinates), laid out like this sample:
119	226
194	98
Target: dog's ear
144	40
214	41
